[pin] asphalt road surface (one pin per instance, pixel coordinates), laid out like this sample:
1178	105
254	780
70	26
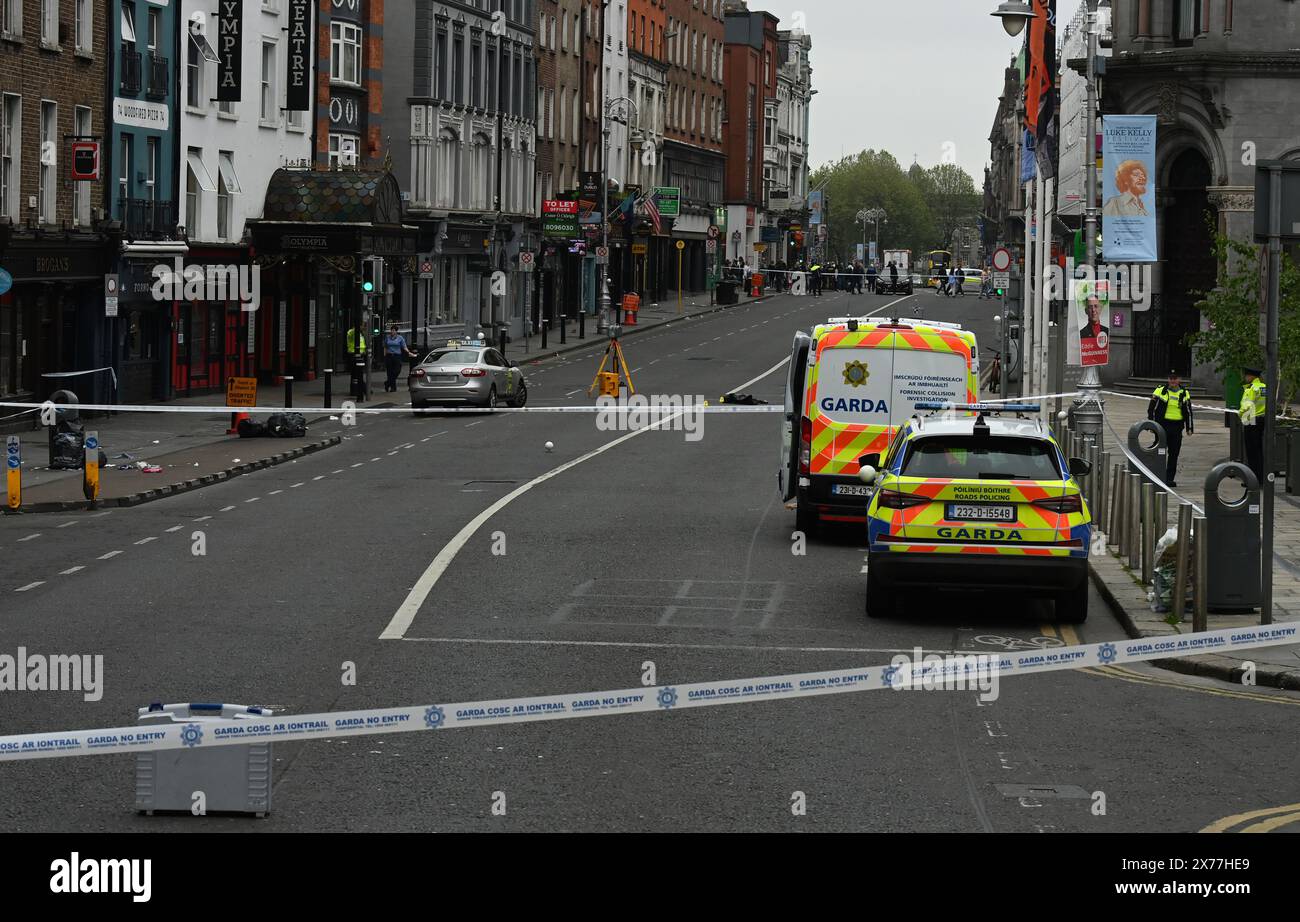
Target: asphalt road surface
657	550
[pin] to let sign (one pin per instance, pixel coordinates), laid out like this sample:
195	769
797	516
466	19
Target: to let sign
230	39
298	60
241	392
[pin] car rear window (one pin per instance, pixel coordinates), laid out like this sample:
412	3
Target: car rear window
981	458
440	356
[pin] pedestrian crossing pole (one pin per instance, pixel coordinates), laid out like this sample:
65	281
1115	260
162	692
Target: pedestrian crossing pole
681	245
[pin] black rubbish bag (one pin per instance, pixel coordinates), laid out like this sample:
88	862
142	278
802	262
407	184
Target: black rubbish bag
68	452
251	429
287	425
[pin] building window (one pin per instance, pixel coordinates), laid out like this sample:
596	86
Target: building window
124	168
345	53
194	74
155	30
47	194
564	123
440	63
480	172
197	181
13	23
448	167
476	73
151	167
343	151
81	190
1187	21
270	111
458	68
11	136
492	101
50	23
227	185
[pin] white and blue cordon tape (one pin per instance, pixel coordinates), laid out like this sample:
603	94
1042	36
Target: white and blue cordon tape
968	665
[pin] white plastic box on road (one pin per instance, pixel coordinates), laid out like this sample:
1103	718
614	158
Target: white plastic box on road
231	779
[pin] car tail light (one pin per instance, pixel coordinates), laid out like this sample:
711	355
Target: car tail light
892	499
419	372
805	445
1062	505
473	372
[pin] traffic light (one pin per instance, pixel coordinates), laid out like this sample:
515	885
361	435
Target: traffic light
368	275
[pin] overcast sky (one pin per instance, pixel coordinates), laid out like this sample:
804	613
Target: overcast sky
907	76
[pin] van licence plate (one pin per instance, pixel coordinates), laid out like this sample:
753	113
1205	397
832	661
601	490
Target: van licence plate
850	489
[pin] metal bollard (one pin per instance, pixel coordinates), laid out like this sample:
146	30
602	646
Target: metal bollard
564	323
1200	597
1180	571
1090	453
288	391
1115	518
1148	531
582	324
1103	501
1134	521
329	383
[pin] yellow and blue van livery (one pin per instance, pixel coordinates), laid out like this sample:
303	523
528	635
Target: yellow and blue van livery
977	503
852	383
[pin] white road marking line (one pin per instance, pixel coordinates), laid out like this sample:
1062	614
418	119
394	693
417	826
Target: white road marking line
757	648
472	425
359	463
293	485
68	524
443	432
571	393
391	453
70	571
339	471
175	528
253	499
109	555
30	537
405	614
273	492
203	518
226	509
319	477
147	540
39	582
376	459
100	515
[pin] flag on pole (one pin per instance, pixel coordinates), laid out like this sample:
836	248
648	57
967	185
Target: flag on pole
1040	86
652	212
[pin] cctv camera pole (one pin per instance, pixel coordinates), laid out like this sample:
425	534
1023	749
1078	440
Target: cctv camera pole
1089	406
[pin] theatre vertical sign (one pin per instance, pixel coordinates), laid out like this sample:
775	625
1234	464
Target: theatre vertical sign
230	40
298	64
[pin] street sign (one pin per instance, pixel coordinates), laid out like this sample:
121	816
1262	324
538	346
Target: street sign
602	252
710	246
1001	280
426	268
1001	260
714	230
527	261
90	468
110	295
668	199
241	392
639	249
681	244
85	160
13	472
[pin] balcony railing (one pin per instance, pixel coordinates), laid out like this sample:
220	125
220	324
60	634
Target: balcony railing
130	71
147	219
158	76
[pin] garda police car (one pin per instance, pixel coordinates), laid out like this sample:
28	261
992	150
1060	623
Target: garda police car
973	501
852	383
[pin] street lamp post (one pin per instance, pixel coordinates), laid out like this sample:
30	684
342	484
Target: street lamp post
607	318
1089	406
874	215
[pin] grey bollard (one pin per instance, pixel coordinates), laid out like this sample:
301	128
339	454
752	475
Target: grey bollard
1179	600
1148	532
1103	500
1153	457
1134	520
1115	511
1120	492
1234	579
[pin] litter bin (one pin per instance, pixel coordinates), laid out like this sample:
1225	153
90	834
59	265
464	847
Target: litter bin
1153	458
233	779
727	293
1232	525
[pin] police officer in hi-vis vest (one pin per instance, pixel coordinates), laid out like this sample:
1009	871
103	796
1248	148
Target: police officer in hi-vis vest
1254	406
1171	407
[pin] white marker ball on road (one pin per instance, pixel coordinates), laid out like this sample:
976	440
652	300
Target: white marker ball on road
550	446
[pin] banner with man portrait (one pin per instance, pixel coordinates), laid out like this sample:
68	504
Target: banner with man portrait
1088	340
1128	188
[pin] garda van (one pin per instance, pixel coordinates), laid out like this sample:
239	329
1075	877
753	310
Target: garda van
852	384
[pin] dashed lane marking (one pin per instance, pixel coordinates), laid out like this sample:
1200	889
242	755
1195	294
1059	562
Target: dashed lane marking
70	571
147	540
273	492
111	554
30	537
225	508
175	528
252	499
39	582
203	518
319	477
294	485
68	524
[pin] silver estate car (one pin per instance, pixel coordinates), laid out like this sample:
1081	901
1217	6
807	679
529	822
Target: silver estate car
467	375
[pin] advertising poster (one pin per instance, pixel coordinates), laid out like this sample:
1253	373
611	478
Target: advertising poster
1128	190
1090	345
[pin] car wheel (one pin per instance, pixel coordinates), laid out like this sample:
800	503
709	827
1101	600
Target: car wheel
1072	607
805	519
492	399
416	406
521	398
881	603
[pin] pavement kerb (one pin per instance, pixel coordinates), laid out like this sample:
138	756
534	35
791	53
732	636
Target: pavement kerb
1224	668
185	486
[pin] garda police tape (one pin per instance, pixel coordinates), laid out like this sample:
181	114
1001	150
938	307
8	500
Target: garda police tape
664	406
933	671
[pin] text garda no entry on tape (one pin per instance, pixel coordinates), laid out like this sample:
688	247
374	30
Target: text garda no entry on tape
200	734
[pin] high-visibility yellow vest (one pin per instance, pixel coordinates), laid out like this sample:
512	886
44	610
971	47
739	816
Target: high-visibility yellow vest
352	342
1254	402
1173	401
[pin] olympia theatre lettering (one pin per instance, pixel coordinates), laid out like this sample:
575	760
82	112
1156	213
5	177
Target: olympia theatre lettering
297	83
230	19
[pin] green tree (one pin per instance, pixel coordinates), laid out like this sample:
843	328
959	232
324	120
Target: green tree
1234	314
871	179
950	193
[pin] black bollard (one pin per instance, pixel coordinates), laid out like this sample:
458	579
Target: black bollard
545	323
329	380
564	326
288	391
582	324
